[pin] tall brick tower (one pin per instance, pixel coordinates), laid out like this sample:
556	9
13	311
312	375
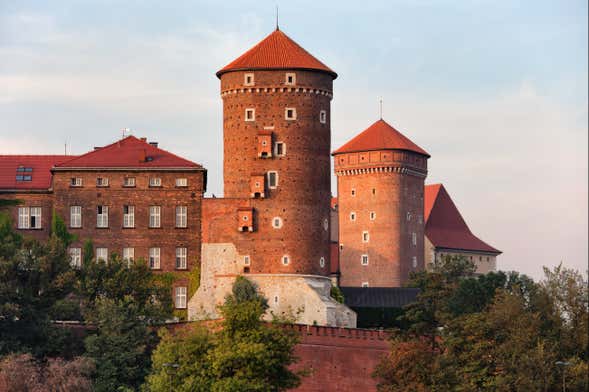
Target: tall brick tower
273	221
380	181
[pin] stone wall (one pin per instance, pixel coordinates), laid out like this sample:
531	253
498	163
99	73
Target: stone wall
484	262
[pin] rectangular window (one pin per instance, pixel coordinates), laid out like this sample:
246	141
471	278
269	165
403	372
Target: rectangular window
29	217
75	216
155	181
181	182
129	181
180	297
353	192
365	236
323	117
291	79
181	258
35	217
102	254
414	261
290	114
101	181
414	238
352	216
364	259
154	258
76	257
365	284
128	216
128	255
250	114
246	260
272	179
76	181
248	79
102	216
181	216
154	216
372	215
279	149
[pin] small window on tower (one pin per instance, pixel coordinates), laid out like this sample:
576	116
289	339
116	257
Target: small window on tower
248	79
291	79
365	236
285	260
323	117
372	215
290	114
364	259
277	222
250	114
279	149
353	192
322	262
352	216
246	260
272	179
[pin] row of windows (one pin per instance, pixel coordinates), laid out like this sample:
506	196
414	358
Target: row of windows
129	256
289	114
102	214
364	260
128	182
284	259
290	79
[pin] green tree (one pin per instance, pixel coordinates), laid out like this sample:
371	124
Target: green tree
59	229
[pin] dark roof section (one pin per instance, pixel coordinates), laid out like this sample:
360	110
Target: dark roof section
379	297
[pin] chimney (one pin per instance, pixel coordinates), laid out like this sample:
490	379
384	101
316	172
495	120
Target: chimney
143	139
142	155
155	144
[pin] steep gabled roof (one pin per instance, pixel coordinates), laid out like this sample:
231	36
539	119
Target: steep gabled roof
276	51
380	136
445	227
129	152
37	167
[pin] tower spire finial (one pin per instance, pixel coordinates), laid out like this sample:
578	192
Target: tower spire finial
277	28
381	108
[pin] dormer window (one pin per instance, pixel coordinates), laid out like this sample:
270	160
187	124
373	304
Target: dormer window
24	173
290	114
291	79
323	117
248	79
250	114
101	182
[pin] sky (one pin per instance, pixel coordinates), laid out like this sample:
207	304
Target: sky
495	91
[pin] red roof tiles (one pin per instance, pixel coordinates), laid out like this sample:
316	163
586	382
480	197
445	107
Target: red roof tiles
380	136
40	175
129	152
276	51
445	227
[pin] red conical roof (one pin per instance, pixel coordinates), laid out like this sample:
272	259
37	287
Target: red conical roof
380	136
276	51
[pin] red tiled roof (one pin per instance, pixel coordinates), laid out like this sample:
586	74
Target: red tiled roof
276	51
380	136
129	152
445	227
40	175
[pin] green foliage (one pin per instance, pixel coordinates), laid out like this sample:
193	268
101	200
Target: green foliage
9	202
88	252
337	294
496	332
245	355
120	346
59	229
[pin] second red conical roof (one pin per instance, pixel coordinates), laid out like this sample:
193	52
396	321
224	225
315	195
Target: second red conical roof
276	51
380	136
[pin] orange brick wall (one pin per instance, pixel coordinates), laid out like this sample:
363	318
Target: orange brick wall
32	199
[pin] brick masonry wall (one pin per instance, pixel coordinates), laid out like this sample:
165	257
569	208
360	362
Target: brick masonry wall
395	196
32	199
302	197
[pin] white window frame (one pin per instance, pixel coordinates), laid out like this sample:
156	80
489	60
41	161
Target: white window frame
322	262
268	174
364	259
181	217
102	217
129	255
277	222
181	182
246	115
365	237
36	217
181	293
129	217
100	255
247	260
408	216
76	182
30	217
285	259
155	258
181	258
414	238
252	80
353	192
155	217
75	217
129	182
75	257
155	182
276	149
23	218
372	215
293	80
353	216
101	182
323	116
414	261
294	114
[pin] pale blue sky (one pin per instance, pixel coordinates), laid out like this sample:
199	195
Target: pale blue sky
495	91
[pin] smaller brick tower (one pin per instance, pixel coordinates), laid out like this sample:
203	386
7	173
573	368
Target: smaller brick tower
380	181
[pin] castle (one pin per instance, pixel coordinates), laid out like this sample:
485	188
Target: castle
277	222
